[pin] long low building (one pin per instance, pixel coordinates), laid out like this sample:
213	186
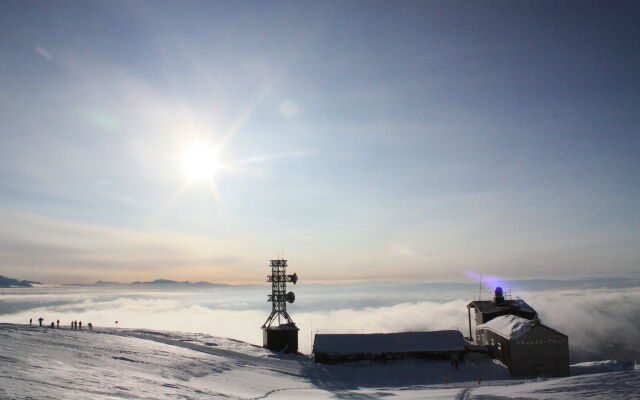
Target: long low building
436	345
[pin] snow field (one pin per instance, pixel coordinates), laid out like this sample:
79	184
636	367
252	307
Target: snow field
43	363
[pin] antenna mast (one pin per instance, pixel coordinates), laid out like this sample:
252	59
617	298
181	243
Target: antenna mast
279	296
279	332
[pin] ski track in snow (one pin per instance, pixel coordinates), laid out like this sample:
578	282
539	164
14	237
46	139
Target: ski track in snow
43	363
463	394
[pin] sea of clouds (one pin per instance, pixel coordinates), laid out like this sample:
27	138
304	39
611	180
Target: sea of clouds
601	320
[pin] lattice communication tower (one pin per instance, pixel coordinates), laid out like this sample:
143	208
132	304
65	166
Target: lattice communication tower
280	333
279	296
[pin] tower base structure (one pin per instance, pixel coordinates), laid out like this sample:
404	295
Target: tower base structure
282	338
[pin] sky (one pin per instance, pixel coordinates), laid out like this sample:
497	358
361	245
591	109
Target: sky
420	141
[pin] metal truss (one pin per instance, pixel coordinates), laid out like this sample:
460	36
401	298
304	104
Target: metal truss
279	296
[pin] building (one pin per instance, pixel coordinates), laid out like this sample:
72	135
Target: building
513	334
486	310
282	338
436	345
526	347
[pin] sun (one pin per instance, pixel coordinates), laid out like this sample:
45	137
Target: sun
200	162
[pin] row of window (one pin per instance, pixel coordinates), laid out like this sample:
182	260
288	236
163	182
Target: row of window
481	339
541	341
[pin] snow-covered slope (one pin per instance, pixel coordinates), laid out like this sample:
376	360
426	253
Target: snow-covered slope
42	363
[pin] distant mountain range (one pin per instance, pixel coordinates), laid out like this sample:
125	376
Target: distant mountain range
164	282
170	282
10	282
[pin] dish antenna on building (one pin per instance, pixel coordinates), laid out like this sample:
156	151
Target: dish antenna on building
279	332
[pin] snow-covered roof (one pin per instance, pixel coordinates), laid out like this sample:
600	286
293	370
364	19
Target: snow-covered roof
509	326
401	342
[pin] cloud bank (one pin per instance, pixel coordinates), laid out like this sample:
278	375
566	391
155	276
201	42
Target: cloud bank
600	323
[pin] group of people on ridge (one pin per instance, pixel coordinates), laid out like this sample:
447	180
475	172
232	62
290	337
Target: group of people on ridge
75	325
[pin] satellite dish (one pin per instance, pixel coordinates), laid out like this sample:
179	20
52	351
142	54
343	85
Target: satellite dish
291	297
293	278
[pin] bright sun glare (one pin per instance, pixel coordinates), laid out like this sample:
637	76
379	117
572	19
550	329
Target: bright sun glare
199	162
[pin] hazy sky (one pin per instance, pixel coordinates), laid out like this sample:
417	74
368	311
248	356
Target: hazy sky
370	140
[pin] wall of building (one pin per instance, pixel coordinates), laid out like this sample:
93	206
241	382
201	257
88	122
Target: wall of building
499	346
326	358
539	352
283	340
481	317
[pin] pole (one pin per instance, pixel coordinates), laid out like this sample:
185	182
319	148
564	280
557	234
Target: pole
470	335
